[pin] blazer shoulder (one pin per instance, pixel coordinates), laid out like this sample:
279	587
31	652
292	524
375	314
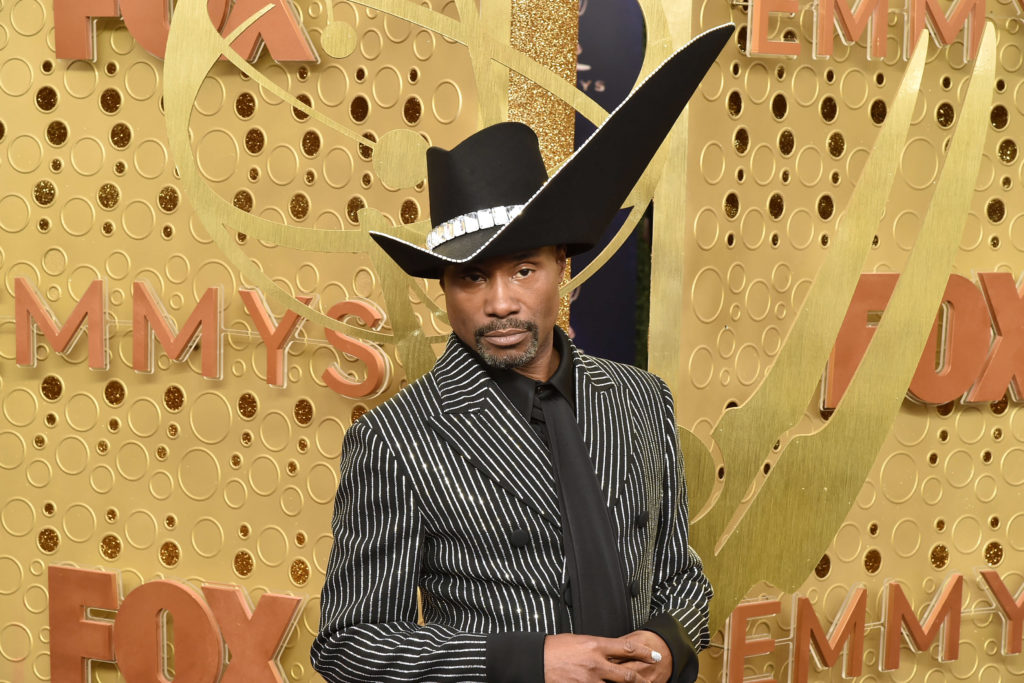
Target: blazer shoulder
413	403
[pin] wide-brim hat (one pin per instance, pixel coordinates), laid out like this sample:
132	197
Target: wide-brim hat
491	196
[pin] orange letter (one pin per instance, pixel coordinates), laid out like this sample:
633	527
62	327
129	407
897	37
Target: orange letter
30	310
140	633
275	337
280	29
378	367
255	640
1005	364
1013	609
739	648
74	26
848	627
871	296
149	22
851	25
757	28
74	639
963	13
149	317
961	353
943	616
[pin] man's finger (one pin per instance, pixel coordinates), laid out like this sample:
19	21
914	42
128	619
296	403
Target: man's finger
626	649
613	673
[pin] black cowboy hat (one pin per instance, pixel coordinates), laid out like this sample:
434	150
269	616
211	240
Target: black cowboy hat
490	195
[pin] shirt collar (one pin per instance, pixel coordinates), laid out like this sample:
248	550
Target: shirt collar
520	389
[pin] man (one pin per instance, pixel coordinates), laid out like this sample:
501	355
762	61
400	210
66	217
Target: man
533	494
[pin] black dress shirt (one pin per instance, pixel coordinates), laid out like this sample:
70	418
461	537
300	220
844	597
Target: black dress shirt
597	592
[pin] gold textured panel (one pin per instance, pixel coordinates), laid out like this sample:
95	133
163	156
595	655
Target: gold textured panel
110	169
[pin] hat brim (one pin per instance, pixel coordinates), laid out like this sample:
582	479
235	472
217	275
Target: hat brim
576	204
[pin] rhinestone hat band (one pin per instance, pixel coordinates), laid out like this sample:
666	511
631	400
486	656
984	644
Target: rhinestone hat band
484	219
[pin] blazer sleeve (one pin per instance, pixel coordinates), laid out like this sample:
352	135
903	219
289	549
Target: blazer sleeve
680	592
368	618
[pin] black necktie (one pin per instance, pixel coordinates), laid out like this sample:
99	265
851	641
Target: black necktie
596	583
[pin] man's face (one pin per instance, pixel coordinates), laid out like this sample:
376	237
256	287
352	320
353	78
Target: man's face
505	307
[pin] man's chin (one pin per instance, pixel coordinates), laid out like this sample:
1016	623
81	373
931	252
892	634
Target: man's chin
507	357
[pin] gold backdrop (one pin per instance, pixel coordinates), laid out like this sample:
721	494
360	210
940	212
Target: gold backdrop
230	481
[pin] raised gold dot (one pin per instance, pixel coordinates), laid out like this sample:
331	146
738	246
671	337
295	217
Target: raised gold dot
993	553
243	563
836	144
999	117
114	392
46	98
311	143
51	387
945	115
779	106
110	546
108	195
48	540
825	206
57	133
120	135
168	199
243	201
245	105
299	206
741	140
786	142
731	205
410	211
110	100
734	103
995	210
939	556
254	140
300	572
303	411
170	553
174	398
829	110
247	405
1007	151
776	205
878	111
44	192
412	110
872	561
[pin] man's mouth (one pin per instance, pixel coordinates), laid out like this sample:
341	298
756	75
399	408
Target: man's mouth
507	337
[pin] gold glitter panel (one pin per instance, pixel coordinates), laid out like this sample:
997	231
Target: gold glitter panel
170	475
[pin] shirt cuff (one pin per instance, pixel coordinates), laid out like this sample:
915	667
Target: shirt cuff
684	656
515	657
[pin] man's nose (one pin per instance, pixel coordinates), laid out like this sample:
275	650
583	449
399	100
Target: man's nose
501	299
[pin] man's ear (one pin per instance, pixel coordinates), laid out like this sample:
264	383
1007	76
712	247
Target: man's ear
560	258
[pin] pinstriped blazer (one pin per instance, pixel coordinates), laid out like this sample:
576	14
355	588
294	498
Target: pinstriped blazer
435	481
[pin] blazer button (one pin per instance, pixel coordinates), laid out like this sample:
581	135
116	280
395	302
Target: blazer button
634	588
519	538
642	519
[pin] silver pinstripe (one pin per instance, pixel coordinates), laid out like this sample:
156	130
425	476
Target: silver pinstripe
435	480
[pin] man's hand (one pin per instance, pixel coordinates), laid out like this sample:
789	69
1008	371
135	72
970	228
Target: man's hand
570	658
656	672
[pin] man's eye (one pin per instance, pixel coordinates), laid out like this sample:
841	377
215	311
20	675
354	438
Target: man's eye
523	272
473	277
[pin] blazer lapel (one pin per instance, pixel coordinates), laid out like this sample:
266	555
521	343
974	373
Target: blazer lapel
485	429
601	409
